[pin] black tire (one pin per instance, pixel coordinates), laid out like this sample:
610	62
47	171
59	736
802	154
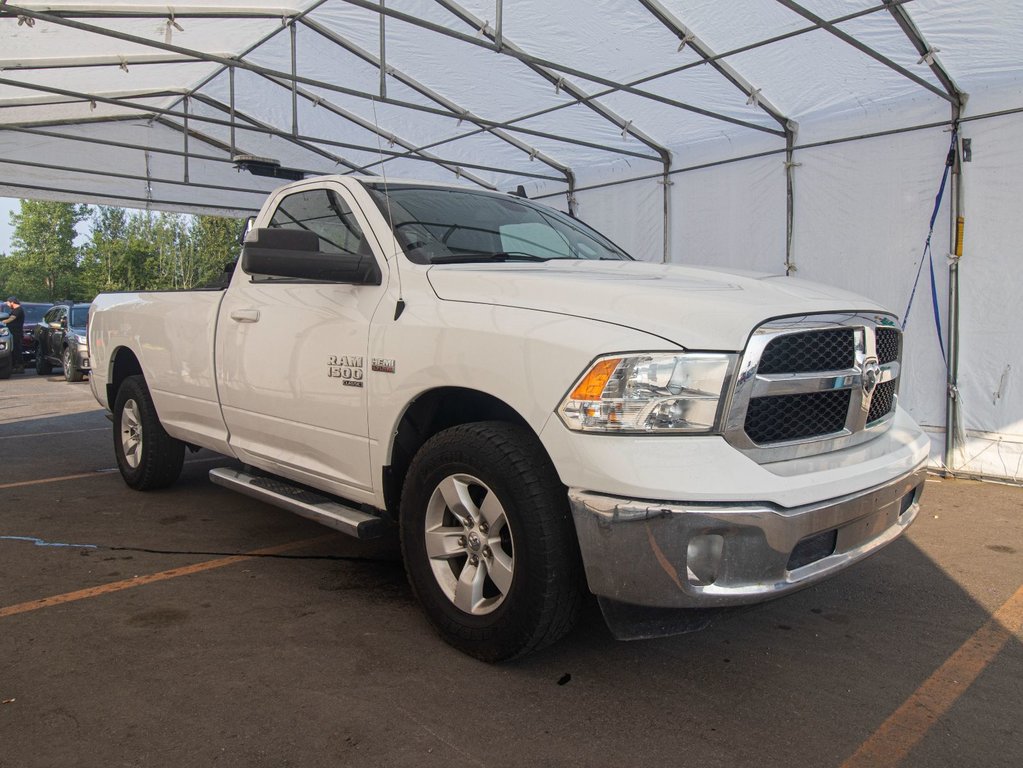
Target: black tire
6	369
71	370
157	460
535	536
43	366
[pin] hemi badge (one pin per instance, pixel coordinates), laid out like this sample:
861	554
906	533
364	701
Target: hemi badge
382	365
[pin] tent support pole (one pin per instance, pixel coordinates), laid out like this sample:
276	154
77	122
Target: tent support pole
383	53
958	99
667	182
499	25
230	82
184	133
790	172
952	377
294	82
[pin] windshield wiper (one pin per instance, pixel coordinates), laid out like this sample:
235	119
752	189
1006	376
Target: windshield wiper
500	256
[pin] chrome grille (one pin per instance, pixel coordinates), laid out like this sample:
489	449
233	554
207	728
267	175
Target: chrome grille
882	402
829	350
888	345
813	384
794	417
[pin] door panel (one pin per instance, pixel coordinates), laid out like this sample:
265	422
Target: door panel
292	356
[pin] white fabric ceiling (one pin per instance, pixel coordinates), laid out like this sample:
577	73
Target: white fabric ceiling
841	106
87	63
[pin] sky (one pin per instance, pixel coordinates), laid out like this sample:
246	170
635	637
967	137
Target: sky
6	206
10	205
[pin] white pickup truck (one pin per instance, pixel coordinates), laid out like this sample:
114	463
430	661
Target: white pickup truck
536	411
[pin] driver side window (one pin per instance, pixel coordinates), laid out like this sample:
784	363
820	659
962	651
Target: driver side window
324	212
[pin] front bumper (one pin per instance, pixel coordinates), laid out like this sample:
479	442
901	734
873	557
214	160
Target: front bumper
81	357
687	555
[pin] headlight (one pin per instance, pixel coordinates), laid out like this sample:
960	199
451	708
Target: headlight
653	392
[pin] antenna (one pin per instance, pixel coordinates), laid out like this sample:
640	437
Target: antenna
390	217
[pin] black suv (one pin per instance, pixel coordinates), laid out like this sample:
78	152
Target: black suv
6	349
61	340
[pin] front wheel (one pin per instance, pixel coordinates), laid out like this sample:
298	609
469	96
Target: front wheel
43	366
147	456
488	541
71	370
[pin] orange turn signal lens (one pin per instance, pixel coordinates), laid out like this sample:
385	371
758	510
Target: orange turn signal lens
593	383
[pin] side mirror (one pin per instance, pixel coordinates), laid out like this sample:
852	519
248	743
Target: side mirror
295	253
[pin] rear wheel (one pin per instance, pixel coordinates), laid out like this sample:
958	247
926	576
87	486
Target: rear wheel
488	541
71	370
6	367
147	456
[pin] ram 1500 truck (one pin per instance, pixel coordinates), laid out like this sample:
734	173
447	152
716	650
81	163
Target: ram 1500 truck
537	411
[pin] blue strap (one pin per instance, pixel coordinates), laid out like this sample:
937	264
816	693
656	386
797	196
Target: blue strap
949	160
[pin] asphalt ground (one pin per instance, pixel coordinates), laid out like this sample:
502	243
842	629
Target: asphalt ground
153	639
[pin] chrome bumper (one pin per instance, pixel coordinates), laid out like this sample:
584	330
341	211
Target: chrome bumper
679	555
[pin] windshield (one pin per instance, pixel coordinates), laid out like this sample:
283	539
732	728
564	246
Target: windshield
34	312
442	226
79	316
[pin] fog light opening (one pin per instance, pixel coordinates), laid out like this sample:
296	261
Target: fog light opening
703	558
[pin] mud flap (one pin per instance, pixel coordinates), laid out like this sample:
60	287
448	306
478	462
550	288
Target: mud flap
638	622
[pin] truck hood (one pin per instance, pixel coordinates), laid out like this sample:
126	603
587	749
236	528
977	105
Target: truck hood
693	307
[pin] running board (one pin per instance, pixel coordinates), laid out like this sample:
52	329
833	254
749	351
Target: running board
324	510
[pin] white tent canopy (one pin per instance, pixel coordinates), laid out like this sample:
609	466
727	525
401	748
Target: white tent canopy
783	136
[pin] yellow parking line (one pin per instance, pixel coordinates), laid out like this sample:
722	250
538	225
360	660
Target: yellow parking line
50	434
94	473
173	573
907	726
22	483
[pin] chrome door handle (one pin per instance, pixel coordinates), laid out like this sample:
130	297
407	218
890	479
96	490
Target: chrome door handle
245	315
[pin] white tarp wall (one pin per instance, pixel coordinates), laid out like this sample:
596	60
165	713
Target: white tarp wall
144	103
862	210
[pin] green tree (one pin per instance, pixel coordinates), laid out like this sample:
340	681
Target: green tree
215	245
105	258
43	262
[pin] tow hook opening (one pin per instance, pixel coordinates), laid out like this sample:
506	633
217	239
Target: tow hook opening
703	558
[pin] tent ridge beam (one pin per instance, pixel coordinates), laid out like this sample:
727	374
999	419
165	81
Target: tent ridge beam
909	27
10	10
289	136
259	127
85	196
863	48
682	68
433	95
688	37
262	41
545	68
130	177
368	125
155	112
226	159
40	131
508	48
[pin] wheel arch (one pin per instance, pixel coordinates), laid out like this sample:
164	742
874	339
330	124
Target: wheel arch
431	412
123	363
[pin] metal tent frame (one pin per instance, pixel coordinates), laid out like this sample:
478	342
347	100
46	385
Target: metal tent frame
536	145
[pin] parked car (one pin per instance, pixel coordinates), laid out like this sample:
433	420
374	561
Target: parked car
535	408
6	364
34	312
61	340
